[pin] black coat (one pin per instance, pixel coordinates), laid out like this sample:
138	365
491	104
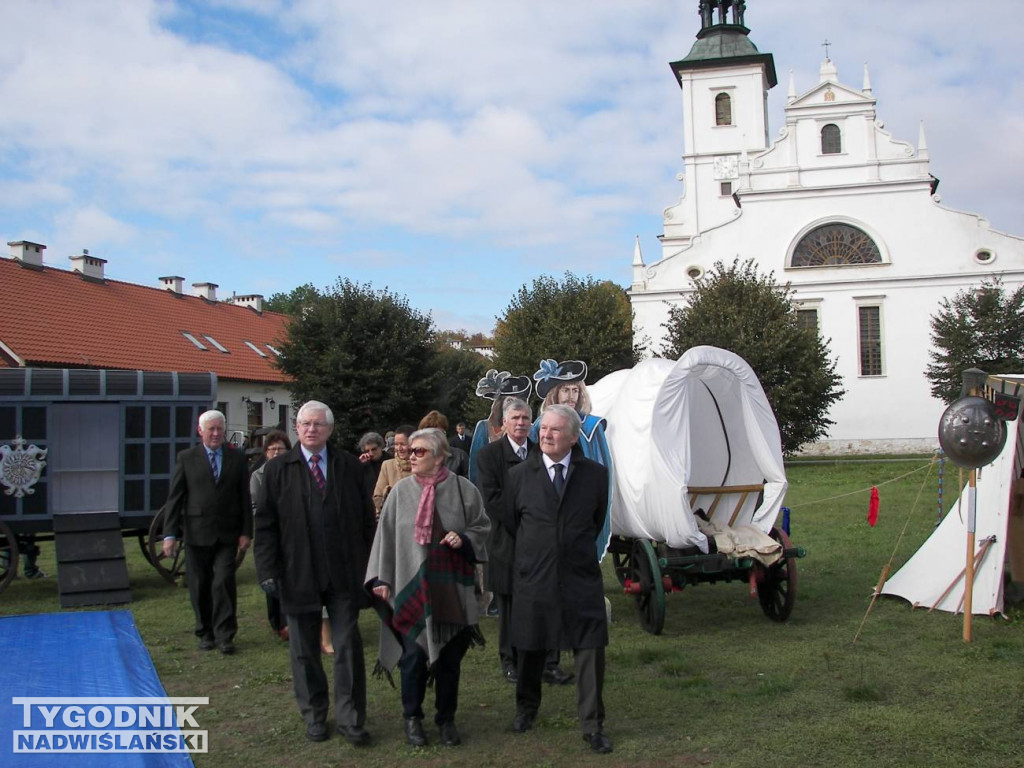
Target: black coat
210	512
558	592
282	544
493	462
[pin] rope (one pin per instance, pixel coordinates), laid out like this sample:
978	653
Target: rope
888	566
868	489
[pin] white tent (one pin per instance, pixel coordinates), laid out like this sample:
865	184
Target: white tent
934	575
701	421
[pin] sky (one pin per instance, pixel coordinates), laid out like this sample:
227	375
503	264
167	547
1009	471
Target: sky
450	151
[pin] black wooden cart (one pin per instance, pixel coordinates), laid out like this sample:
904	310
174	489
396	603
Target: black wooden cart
648	570
110	439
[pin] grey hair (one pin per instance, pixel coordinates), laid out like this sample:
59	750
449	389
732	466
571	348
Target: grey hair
208	416
370	438
315	405
569	414
434	438
515	404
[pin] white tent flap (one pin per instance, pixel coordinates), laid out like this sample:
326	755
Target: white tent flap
934	576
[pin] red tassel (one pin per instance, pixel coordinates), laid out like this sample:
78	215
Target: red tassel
873	507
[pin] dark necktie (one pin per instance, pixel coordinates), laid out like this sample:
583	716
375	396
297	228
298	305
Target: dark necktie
559	481
318	476
213	466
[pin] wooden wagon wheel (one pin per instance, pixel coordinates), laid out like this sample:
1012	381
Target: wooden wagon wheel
170	568
776	588
650	602
622	559
8	555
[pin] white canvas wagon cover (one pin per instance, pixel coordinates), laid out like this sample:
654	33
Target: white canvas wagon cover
701	421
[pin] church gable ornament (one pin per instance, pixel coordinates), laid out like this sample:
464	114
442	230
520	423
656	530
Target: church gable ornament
20	467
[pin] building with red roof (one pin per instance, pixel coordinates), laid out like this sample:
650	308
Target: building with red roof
78	318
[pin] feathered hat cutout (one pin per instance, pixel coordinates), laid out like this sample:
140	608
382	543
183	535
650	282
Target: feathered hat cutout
552	373
503	383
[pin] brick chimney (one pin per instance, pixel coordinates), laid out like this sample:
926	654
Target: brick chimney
26	253
252	300
172	283
88	266
206	291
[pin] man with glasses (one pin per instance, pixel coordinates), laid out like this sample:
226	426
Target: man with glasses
315	526
209	500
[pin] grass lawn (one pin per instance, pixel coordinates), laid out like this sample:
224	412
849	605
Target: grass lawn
722	686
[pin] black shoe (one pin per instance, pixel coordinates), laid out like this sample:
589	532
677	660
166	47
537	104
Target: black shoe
355	735
227	648
555	676
510	674
522	722
450	735
206	644
414	735
598	742
492	610
317	732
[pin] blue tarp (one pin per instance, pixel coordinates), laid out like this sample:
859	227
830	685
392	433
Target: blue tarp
96	654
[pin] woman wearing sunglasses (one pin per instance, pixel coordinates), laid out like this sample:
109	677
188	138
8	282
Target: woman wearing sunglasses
432	532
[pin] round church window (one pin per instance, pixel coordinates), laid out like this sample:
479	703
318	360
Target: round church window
835	245
984	257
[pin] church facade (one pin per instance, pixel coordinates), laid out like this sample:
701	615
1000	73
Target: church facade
846	213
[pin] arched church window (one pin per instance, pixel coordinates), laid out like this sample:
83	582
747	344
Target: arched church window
835	245
723	109
831	141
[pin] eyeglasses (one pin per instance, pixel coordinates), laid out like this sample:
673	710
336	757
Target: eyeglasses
419	452
312	424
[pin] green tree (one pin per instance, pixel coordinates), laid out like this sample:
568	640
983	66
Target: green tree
453	378
737	309
572	319
291	303
978	328
364	352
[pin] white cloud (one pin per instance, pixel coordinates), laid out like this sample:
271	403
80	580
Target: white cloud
532	129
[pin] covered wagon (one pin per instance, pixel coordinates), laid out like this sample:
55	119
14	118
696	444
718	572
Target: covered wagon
699	481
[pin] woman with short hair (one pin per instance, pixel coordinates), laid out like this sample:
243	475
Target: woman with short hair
393	470
432	532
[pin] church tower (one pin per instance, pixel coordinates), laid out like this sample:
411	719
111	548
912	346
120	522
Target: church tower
725	82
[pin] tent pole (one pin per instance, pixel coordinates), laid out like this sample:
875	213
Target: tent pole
972	510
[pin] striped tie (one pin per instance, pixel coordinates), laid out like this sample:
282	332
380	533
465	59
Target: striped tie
213	466
318	476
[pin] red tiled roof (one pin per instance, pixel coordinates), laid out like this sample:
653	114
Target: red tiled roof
52	317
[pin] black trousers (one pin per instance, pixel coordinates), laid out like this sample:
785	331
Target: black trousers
506	653
589	685
211	586
308	677
274	616
446	671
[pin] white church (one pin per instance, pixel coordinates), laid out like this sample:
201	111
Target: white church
837	207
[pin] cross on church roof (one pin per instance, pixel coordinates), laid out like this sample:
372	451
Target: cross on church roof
825	45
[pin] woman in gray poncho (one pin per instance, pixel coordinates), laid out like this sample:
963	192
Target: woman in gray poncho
432	532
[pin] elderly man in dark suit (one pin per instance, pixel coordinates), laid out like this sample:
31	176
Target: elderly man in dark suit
558	500
314	529
209	498
494	461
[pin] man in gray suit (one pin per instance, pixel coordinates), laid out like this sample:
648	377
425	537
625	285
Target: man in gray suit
209	499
